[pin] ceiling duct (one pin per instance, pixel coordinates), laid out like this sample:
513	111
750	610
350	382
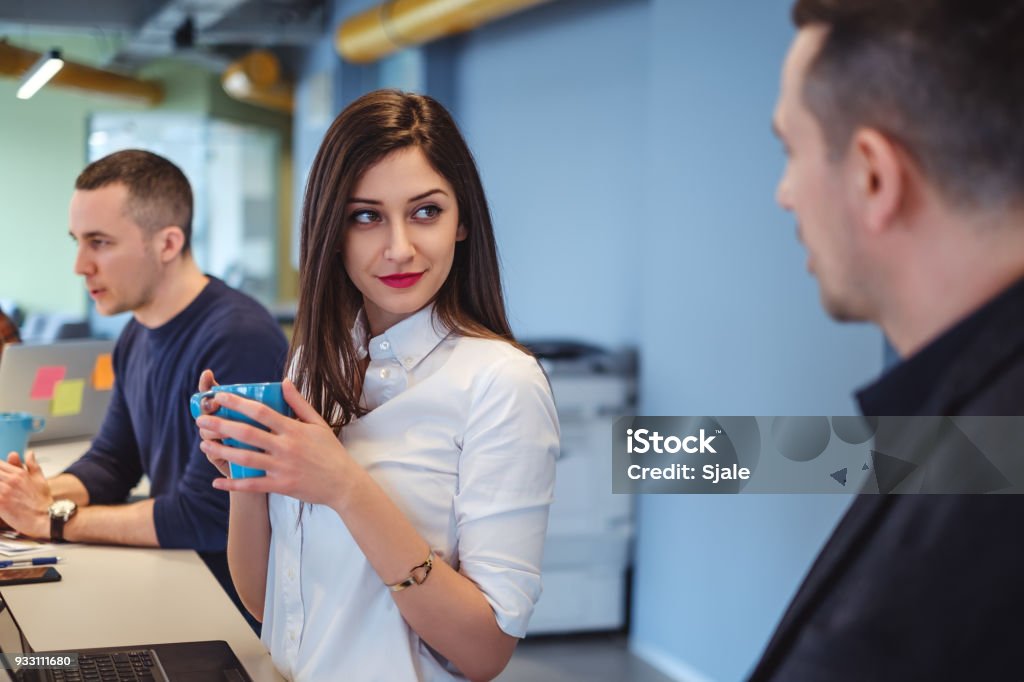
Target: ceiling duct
391	26
132	34
256	79
14	61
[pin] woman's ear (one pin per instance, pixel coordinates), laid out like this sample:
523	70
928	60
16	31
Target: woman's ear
461	233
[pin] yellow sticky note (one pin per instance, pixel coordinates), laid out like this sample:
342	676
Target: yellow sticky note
103	373
67	397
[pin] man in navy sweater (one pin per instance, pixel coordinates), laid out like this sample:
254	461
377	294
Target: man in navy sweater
131	216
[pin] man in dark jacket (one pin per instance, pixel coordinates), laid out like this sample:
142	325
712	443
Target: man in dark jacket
902	126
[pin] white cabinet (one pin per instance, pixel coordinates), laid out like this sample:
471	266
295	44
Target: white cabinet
590	530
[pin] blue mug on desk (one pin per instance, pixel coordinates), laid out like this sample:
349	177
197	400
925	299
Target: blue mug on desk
15	428
269	394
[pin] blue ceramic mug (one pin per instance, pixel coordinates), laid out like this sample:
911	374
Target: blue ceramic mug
269	394
15	428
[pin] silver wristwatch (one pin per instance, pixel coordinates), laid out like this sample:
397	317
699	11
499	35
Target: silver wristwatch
61	512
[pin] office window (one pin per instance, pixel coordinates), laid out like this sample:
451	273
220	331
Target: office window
233	170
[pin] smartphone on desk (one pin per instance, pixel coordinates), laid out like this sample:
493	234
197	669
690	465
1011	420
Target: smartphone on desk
28	575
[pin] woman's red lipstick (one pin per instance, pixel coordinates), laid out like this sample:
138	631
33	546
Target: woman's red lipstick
402	280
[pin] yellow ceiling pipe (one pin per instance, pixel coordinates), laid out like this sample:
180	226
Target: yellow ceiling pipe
256	79
391	26
15	61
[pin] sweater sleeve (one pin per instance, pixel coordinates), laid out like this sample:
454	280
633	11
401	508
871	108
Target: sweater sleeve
112	465
194	514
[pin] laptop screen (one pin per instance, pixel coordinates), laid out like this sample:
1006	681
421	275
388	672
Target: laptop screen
11	641
68	384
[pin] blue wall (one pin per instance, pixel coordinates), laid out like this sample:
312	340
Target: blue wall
325	84
552	103
713	574
625	147
626	150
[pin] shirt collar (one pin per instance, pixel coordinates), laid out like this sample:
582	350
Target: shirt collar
407	342
360	334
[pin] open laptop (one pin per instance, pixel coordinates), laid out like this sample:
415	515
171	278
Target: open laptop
69	383
212	661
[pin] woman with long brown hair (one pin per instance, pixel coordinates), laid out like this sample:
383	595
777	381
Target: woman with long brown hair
397	534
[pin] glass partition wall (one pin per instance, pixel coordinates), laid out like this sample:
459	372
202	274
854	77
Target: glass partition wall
233	170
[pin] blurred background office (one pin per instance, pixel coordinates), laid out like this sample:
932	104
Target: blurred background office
625	147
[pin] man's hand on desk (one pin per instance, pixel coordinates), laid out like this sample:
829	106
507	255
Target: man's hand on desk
25	497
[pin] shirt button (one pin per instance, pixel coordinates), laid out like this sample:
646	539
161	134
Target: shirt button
385	373
384	345
291	574
408	359
291	635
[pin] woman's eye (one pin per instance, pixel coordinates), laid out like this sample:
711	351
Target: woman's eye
364	217
427	212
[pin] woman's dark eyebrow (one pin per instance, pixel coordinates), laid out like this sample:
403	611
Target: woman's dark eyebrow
375	202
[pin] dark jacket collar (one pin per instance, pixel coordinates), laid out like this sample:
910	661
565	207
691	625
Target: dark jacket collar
944	375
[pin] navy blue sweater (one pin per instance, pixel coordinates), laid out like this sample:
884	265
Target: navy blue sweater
148	428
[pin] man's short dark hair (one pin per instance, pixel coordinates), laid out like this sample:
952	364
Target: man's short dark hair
158	192
943	78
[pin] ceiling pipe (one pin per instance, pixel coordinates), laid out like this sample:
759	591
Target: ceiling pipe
392	26
15	61
256	79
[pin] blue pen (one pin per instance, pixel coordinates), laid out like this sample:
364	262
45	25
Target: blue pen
37	561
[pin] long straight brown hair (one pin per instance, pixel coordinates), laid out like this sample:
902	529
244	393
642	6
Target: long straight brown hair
323	357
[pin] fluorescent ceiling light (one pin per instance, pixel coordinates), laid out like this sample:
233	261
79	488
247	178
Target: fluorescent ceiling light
40	73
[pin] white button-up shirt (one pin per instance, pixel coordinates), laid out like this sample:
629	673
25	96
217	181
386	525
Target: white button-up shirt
462	435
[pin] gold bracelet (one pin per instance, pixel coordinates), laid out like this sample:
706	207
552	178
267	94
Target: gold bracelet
417	576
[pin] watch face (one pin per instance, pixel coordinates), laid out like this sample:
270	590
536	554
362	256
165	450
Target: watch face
63	508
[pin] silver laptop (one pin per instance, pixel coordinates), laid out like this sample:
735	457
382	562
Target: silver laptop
211	661
69	383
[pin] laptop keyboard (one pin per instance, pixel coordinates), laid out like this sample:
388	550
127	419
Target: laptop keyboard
125	666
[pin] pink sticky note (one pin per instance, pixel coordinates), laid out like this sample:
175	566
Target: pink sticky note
46	379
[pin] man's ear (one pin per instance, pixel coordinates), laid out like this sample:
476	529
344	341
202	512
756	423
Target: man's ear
879	177
169	242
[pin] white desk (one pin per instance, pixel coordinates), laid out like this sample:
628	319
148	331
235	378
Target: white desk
114	596
54	458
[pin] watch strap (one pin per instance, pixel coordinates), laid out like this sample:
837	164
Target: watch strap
59	519
57	527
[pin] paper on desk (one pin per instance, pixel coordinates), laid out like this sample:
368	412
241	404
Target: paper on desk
12	544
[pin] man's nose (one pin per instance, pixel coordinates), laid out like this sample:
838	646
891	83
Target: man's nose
83	264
